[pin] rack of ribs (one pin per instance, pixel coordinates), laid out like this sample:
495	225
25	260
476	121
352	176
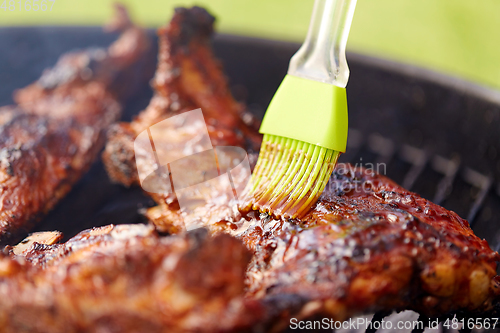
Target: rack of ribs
359	249
126	278
56	130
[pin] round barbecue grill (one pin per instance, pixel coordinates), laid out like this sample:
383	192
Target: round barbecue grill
436	135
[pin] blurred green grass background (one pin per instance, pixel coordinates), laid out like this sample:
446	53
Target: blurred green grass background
458	37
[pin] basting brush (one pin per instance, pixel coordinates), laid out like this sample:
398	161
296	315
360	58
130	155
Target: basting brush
305	125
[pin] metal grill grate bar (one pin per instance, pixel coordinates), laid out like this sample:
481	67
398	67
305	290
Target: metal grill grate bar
418	159
384	148
450	170
484	183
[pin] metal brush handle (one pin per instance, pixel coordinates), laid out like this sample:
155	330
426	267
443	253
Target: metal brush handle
322	56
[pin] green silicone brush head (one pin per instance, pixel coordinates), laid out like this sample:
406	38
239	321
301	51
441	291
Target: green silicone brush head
305	130
305	126
289	177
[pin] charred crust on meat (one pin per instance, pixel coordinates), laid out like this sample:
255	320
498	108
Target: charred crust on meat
193	23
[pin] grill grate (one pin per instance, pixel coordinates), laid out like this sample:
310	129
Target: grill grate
378	149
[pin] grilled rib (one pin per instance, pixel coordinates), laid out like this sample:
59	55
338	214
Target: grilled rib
188	77
54	133
126	279
377	247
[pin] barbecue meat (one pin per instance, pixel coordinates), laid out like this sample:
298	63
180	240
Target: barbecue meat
366	245
188	77
127	279
54	133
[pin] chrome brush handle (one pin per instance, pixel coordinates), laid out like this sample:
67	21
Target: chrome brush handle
322	56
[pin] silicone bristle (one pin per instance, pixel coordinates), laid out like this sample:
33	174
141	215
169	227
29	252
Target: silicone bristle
289	177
